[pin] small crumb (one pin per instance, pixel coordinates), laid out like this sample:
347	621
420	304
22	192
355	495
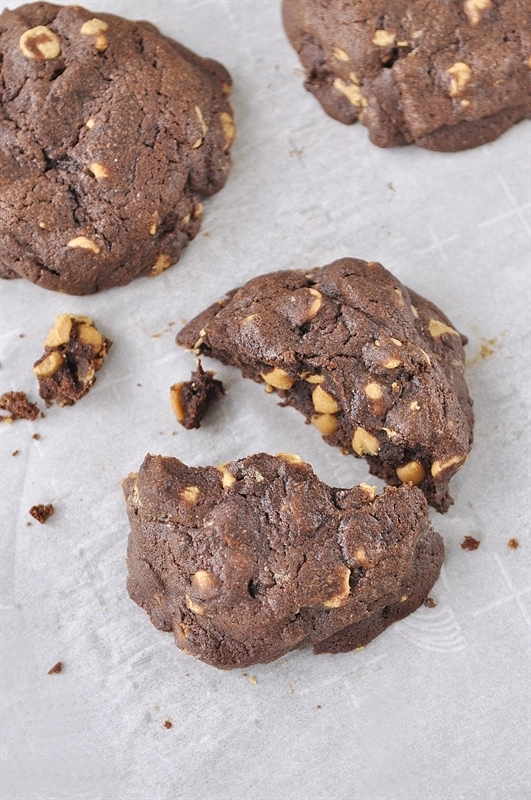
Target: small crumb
429	602
56	669
21	335
15	452
318	706
42	512
252	679
28	524
36	436
513	544
168	724
469	543
17	406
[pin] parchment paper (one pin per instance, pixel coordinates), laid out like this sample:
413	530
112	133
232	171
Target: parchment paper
437	708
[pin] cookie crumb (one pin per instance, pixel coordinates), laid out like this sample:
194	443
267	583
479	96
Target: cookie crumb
56	669
74	351
429	602
36	436
469	543
168	724
513	544
17	406
15	452
190	400
42	512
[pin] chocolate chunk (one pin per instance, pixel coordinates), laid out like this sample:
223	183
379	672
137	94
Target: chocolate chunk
378	369
258	557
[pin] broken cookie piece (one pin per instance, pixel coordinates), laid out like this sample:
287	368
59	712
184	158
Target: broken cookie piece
17	406
42	512
378	369
444	76
74	352
191	399
255	558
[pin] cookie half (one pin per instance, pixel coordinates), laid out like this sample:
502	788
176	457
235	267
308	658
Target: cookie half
110	136
444	76
258	557
378	369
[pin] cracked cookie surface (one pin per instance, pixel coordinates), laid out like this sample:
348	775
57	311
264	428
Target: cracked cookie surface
110	136
378	369
444	76
255	558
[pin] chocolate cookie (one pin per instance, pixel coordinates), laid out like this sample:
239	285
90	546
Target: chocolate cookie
445	76
110	135
376	368
74	351
253	559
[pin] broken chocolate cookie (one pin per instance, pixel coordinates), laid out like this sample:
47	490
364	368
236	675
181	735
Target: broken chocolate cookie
378	369
74	351
255	558
191	399
444	76
111	135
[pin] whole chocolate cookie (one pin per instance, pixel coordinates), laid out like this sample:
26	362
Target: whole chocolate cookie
258	557
378	369
445	76
110	135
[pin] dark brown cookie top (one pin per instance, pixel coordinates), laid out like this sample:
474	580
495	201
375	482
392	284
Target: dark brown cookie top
110	135
445	76
378	369
258	557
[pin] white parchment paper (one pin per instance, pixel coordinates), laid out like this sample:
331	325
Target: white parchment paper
437	708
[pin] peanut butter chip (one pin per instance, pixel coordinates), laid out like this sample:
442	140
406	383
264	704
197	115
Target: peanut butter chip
190	494
59	332
323	402
326	424
98	170
48	365
227	478
351	91
40	44
278	378
84	243
460	74
161	264
202	580
474	9
364	443
437	328
412	472
383	38
96	27
340	54
229	128
339	599
441	466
